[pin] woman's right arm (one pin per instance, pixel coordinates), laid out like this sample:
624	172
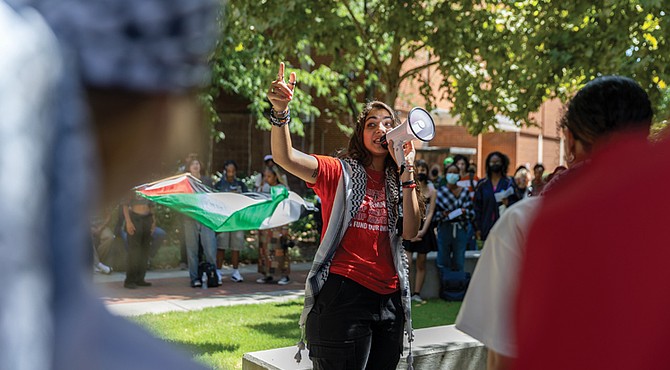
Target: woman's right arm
292	160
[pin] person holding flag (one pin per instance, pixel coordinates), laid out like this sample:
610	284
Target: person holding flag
357	295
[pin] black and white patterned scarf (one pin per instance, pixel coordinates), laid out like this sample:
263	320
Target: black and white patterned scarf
348	199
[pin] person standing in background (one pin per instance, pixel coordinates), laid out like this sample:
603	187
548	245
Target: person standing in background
140	224
493	194
196	234
537	184
522	179
234	240
425	240
453	213
273	250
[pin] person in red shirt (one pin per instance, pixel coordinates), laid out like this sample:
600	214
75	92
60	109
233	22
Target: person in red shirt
590	295
357	292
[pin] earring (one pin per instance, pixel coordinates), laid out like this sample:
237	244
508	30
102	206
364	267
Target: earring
570	158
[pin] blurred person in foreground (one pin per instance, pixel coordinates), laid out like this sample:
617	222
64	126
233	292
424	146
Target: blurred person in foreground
82	97
590	294
605	106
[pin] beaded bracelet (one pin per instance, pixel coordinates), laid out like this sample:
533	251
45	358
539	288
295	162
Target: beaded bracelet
280	119
410	186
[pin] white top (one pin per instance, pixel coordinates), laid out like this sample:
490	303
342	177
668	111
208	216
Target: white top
487	310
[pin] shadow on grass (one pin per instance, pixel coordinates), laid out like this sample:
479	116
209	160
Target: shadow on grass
284	327
296	303
204	348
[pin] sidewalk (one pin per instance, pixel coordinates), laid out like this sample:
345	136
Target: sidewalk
171	291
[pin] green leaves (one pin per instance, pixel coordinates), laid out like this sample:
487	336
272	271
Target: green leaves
494	58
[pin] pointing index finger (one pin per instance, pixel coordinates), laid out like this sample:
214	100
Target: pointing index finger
280	74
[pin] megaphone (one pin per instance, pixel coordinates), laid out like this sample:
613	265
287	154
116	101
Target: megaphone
419	125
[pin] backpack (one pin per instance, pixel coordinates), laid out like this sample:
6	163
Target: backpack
210	271
453	285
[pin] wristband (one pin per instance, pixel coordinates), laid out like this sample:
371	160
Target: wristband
407	183
283	119
410	186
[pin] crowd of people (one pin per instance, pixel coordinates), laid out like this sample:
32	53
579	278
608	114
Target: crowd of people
134	223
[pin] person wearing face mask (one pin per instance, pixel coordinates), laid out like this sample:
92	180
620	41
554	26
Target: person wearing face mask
453	212
493	194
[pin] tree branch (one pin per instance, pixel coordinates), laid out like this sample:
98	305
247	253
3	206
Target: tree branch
418	69
360	29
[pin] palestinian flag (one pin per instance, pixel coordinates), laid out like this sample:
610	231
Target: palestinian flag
226	211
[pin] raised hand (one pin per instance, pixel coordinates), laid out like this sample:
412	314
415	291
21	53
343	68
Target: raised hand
281	92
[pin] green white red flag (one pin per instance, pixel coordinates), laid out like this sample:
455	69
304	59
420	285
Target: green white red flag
226	211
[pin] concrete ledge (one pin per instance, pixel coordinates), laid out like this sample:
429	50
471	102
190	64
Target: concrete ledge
431	285
441	347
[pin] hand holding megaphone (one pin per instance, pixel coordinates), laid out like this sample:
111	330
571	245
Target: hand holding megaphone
419	125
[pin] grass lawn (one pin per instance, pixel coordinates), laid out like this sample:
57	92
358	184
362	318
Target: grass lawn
218	337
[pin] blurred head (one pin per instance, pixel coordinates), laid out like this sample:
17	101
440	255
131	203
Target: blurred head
434	172
230	169
452	174
538	171
522	177
271	175
374	121
421	170
604	106
497	163
462	163
194	167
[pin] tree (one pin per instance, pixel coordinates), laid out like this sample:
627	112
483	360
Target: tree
495	58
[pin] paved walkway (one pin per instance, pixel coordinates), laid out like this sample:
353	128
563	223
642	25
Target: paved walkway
171	291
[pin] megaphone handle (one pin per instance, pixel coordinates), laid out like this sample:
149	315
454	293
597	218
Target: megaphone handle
399	153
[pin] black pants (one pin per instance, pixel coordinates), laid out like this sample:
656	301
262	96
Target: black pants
352	328
138	248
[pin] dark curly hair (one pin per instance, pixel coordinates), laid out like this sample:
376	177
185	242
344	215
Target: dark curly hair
503	158
605	105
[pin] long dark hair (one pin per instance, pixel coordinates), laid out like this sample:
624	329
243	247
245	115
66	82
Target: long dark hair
505	163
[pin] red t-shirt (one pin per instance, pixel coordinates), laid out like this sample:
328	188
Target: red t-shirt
364	255
593	284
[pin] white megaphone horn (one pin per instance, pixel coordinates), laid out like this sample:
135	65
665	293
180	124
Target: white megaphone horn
419	125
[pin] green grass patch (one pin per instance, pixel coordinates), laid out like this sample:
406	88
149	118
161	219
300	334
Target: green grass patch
219	337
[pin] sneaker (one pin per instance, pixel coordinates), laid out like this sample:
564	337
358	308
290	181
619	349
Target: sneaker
143	283
236	277
130	285
196	284
219	276
284	280
264	280
101	268
417	298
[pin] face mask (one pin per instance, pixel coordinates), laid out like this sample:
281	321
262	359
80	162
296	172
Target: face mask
495	167
422	177
453	178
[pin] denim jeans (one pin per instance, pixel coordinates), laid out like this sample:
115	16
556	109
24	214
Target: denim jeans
196	233
352	328
451	247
